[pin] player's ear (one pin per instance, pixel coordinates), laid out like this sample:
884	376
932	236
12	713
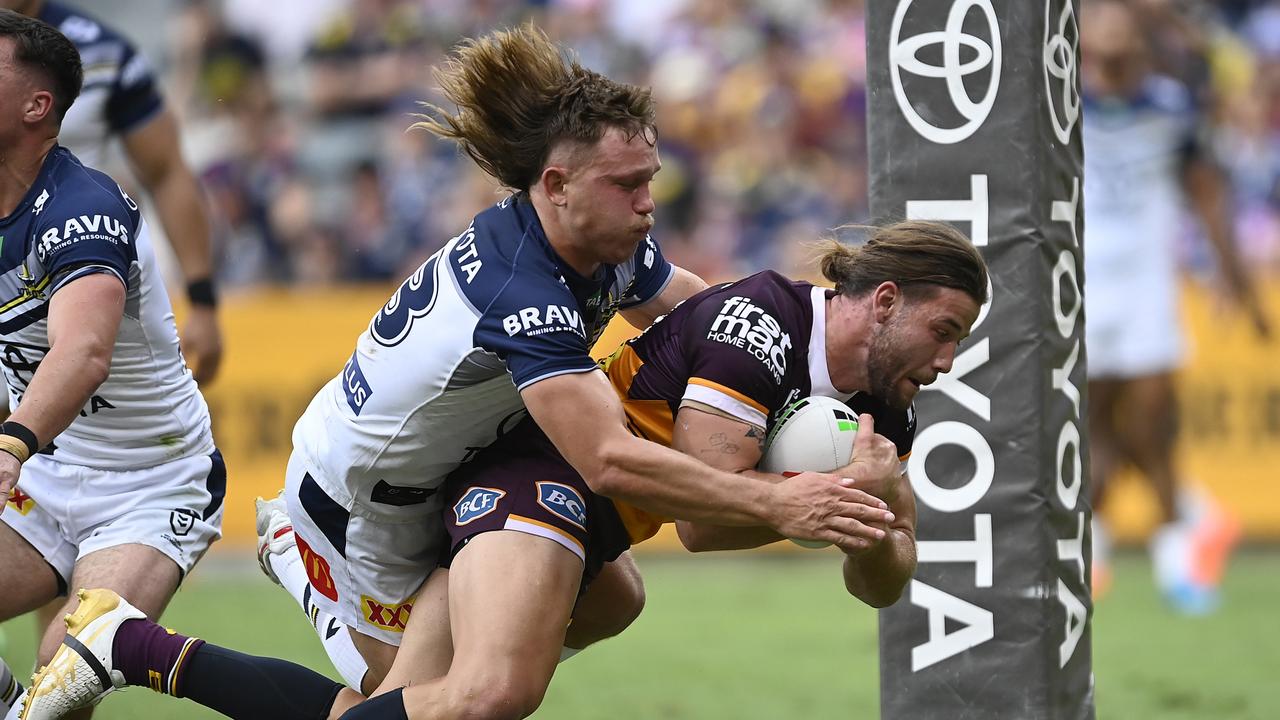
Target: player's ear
38	106
886	299
553	181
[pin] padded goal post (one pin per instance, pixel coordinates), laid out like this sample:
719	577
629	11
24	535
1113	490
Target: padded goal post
974	119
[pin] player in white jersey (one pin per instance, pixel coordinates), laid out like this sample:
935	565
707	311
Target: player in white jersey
1144	165
107	464
121	101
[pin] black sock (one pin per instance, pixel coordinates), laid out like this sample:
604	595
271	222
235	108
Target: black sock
389	706
245	687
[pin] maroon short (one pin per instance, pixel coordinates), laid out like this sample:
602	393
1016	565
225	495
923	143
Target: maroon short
521	483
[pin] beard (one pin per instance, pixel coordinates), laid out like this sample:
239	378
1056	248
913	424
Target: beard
882	359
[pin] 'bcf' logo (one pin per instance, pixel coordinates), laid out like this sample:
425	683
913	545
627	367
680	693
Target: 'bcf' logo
478	502
563	501
1060	53
963	54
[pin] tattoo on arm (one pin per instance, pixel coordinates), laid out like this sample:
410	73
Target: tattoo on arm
759	436
719	443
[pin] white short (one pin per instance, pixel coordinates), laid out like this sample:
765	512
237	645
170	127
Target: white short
1132	324
365	568
68	511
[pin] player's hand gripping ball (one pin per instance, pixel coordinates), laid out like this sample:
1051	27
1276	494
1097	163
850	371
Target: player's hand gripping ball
813	435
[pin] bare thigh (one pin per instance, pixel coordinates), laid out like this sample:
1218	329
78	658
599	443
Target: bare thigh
427	649
28	580
510	598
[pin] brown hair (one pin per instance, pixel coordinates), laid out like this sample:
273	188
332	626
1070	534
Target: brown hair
40	47
912	254
518	96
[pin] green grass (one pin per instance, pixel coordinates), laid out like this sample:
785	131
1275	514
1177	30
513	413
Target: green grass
776	637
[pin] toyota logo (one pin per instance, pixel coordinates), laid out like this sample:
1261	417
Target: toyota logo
1060	64
904	57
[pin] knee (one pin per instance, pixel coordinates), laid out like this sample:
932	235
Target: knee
496	696
630	603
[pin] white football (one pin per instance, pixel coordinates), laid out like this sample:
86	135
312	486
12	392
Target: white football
813	434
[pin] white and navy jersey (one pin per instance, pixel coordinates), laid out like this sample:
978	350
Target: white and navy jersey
73	222
437	374
1134	152
120	92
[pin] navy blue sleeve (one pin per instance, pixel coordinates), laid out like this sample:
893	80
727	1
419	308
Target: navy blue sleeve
652	273
535	326
134	97
87	230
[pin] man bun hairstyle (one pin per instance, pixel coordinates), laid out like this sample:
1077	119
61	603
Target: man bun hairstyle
39	46
518	96
915	254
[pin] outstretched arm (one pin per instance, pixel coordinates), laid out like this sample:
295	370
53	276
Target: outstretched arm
581	414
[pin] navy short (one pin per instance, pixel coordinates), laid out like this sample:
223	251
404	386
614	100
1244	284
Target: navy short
521	483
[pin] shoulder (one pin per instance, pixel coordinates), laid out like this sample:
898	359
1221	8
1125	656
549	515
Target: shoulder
498	261
765	294
82	29
77	201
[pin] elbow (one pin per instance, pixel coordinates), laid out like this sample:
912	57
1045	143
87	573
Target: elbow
612	466
96	367
878	596
884	597
693	540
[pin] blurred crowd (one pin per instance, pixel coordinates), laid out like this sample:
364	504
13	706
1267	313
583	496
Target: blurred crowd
295	115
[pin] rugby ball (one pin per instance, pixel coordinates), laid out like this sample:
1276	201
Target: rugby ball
813	434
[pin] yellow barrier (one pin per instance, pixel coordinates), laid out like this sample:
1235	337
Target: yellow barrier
282	345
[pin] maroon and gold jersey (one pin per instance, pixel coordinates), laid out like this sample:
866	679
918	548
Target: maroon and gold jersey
748	349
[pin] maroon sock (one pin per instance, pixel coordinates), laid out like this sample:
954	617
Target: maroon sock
151	656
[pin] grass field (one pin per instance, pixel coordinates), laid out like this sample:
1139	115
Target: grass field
776	637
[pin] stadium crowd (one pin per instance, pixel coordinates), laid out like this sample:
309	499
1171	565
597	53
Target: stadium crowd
300	136
294	114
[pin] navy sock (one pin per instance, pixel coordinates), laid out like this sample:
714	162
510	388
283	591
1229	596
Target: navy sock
245	687
389	706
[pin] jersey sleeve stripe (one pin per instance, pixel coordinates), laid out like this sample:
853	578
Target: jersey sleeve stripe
627	305
713	385
84	270
554	373
730	401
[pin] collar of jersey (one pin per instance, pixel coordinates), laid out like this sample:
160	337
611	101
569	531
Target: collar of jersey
533	225
819	374
51	160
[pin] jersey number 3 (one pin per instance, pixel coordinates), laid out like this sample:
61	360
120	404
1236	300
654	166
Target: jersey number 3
414	299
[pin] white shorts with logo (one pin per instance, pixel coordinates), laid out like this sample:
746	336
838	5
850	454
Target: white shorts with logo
68	511
365	567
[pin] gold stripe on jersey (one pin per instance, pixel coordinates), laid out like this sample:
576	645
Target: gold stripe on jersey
621	368
731	393
26	293
648	419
